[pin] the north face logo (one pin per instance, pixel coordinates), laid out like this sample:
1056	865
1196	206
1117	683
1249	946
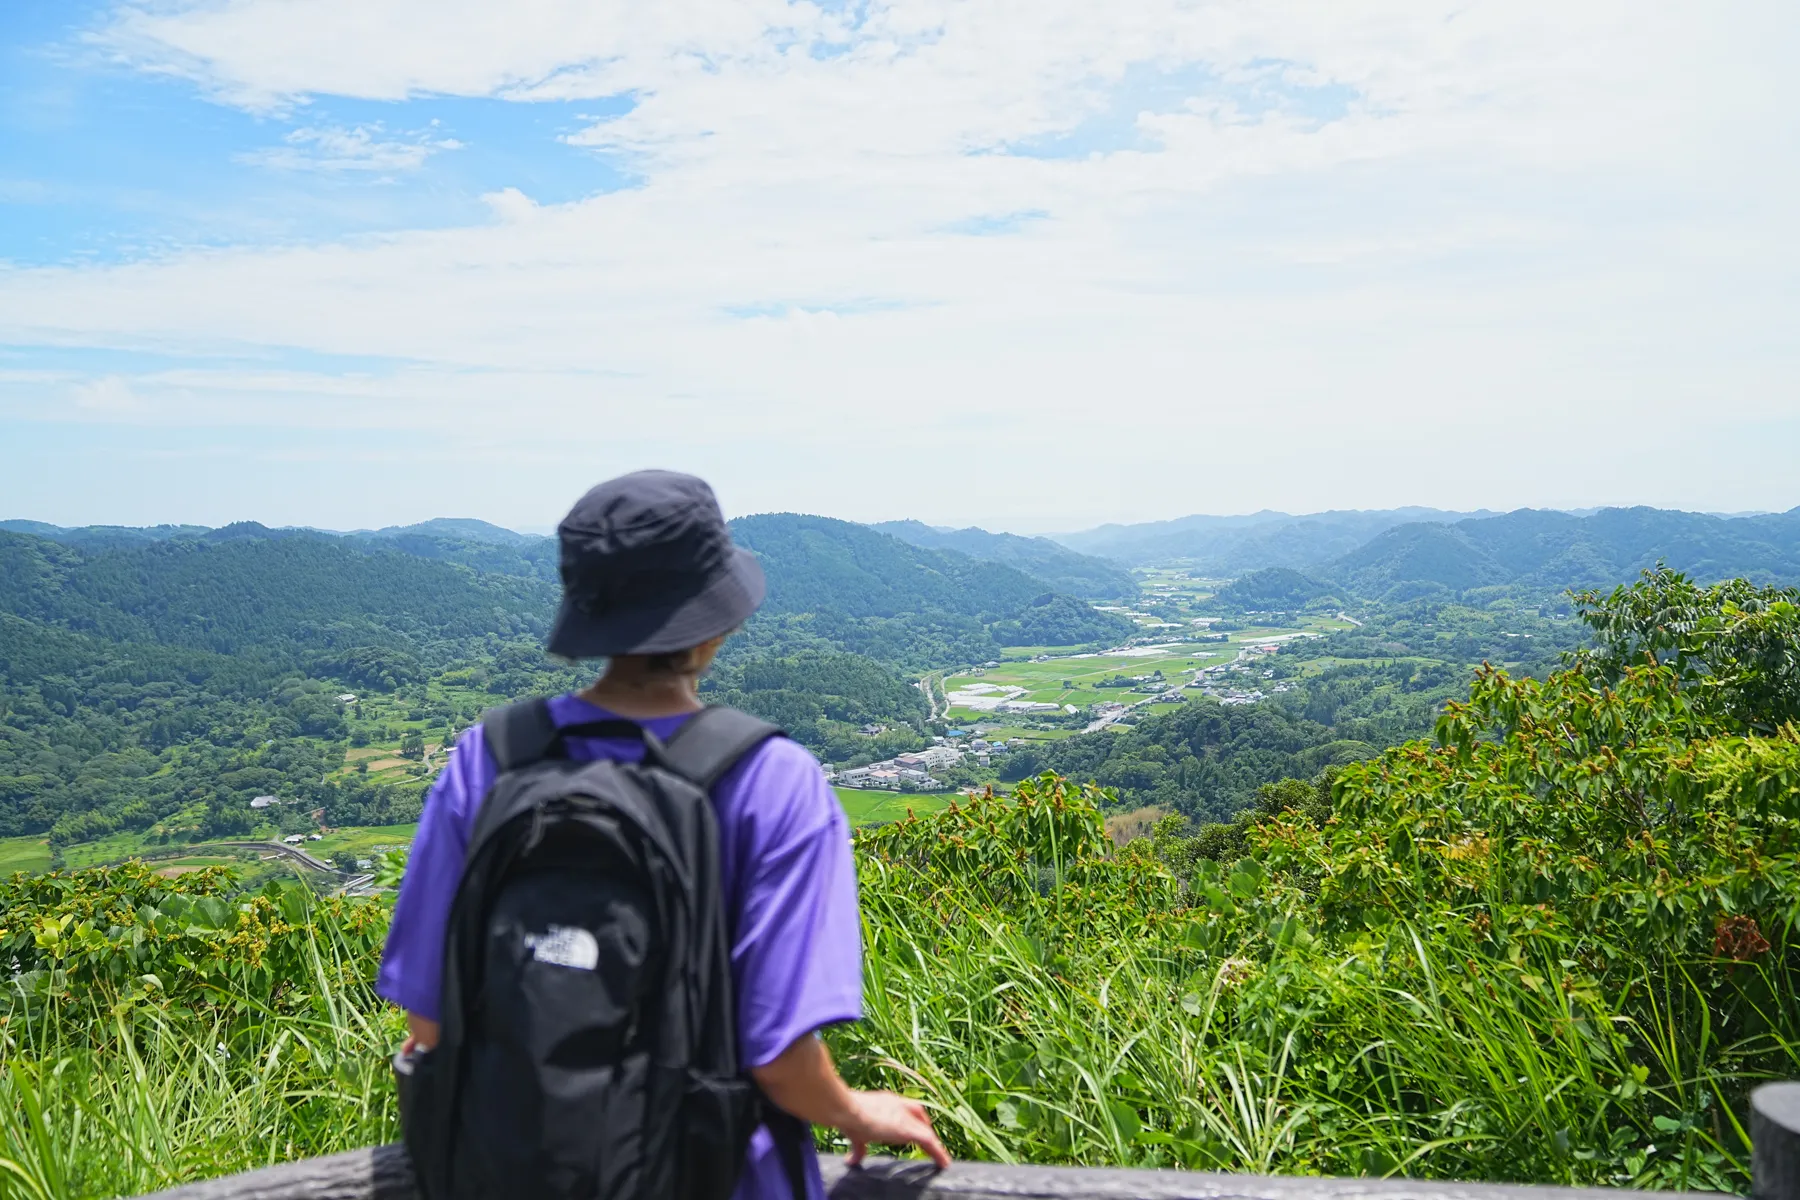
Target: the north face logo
564	946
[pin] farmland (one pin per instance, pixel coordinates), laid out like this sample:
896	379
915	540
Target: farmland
32	854
1081	678
872	806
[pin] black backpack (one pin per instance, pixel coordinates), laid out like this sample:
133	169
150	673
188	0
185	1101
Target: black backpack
588	1046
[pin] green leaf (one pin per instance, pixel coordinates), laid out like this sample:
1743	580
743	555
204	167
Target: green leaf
1125	1119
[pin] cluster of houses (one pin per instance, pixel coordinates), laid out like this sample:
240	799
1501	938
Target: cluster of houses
911	771
1215	681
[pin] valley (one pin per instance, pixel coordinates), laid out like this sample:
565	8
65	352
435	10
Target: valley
1367	836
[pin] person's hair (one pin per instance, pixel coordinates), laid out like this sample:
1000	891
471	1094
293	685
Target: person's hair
675	662
672	662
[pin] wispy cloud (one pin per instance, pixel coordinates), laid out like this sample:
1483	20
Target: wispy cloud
1164	229
361	148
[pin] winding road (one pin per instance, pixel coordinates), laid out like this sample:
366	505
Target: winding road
293	852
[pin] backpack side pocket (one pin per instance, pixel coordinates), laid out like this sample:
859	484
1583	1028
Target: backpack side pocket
718	1115
416	1082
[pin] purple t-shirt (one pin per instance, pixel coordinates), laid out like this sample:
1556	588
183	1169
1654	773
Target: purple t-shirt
790	888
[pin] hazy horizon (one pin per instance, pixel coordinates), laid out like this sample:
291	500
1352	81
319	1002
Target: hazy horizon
541	529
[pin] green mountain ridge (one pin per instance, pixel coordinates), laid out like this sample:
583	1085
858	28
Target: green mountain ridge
1066	570
1547	551
175	674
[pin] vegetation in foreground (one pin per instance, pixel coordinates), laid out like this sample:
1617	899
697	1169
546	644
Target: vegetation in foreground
1554	945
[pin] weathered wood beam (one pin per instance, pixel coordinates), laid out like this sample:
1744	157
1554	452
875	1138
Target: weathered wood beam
383	1173
1775	1141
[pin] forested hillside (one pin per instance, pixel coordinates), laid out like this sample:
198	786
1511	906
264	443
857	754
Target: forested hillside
159	680
1204	760
1271	589
177	678
865	591
1060	567
1549	551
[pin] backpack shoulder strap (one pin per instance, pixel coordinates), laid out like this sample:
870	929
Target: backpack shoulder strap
519	734
712	741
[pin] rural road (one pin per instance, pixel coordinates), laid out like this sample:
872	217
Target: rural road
1103	722
293	852
924	685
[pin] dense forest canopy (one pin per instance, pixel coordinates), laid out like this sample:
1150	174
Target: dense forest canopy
159	680
1271	588
1550	551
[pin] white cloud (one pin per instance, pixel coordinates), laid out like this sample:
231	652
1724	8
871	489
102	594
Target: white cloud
362	148
511	205
109	394
1270	244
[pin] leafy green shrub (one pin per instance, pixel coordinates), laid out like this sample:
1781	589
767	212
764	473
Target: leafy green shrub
1554	945
159	1030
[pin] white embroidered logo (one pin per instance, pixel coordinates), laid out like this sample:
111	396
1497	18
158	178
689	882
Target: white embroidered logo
564	946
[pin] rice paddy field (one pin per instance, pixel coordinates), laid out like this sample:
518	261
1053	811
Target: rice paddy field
24	854
874	806
1062	677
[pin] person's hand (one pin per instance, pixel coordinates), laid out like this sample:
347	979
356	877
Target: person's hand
891	1120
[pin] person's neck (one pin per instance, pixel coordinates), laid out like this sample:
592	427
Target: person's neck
644	699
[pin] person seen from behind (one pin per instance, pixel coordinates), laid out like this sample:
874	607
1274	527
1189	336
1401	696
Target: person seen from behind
652	583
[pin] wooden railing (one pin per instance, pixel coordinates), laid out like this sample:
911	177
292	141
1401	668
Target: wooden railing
384	1173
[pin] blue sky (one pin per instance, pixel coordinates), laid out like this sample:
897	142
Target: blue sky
366	261
106	163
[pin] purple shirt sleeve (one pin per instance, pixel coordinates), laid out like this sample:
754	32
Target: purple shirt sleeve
412	964
797	954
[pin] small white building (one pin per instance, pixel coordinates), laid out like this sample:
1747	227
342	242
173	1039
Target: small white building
294	839
264	802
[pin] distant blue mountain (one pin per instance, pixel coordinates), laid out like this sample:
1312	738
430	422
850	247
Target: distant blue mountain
466	529
97	537
1236	544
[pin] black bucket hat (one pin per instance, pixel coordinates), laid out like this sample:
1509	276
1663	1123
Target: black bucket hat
648	568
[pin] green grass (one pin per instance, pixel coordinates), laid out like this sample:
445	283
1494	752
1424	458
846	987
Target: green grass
1086	1013
361	840
866	806
114	848
111	1091
32	854
1004	733
24	854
